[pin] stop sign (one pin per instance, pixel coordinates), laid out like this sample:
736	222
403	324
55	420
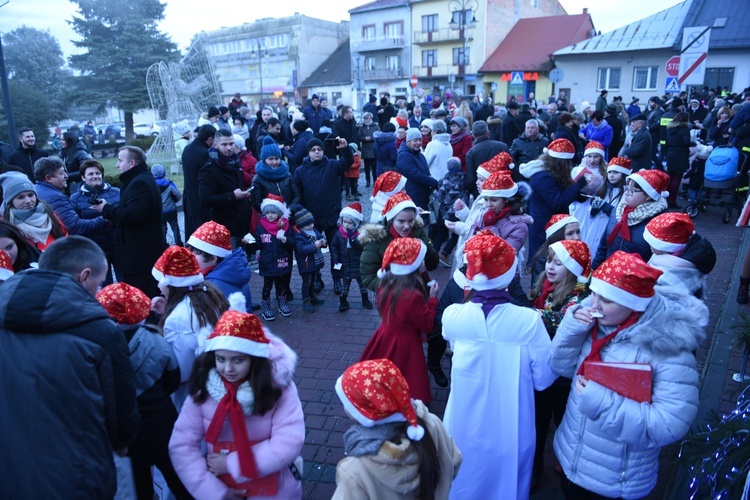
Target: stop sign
673	66
413	82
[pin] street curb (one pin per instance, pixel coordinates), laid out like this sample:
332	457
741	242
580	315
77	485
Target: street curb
714	376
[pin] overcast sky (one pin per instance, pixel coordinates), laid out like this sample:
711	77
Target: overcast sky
184	18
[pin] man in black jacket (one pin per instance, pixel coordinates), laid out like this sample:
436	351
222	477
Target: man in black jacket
653	122
139	238
68	391
612	118
220	188
529	146
194	156
511	129
345	126
483	150
27	153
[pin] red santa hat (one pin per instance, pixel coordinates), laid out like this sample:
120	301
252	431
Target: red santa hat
395	204
403	256
556	222
491	262
213	239
501	161
669	232
274	202
375	392
178	267
239	332
388	184
353	211
499	185
594	147
561	148
126	304
575	256
653	182
6	266
620	164
624	278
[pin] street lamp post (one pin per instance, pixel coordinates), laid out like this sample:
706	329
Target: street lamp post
259	48
462	9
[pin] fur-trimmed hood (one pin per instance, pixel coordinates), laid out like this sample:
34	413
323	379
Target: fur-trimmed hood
531	168
370	233
524	189
674	322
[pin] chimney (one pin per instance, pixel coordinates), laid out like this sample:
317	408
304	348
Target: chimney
585	11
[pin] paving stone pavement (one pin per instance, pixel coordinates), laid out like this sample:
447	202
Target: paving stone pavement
328	341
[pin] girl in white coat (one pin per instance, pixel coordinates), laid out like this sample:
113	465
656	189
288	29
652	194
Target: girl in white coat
499	359
608	444
189	309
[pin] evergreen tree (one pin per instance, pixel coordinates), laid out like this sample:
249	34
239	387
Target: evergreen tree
122	40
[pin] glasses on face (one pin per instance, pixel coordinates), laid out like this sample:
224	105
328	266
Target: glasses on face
631	189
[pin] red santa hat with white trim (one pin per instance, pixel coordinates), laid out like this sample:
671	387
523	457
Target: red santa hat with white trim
388	184
626	279
276	203
126	304
213	239
374	392
491	262
594	147
561	148
177	267
239	332
620	164
6	266
653	182
402	257
353	211
501	161
557	222
396	203
575	256
669	232
499	185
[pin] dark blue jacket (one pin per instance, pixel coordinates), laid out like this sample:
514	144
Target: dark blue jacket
309	260
314	117
233	275
385	152
637	243
347	252
413	166
80	200
275	257
319	186
67	214
296	154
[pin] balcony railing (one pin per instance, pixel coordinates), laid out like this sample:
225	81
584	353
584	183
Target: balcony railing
441	35
442	70
379	43
381	74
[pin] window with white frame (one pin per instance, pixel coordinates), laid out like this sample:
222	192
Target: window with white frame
461	59
394	31
429	58
368	33
369	63
392	63
644	77
609	79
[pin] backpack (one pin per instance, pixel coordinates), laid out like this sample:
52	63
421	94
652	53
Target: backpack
721	164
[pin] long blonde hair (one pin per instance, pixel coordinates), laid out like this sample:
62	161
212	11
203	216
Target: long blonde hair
563	288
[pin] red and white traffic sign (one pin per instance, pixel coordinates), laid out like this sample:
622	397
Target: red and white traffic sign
696	68
673	66
413	82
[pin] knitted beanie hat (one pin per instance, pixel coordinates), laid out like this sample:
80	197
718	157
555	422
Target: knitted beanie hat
302	217
269	148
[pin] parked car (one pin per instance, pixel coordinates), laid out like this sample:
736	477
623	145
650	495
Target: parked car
112	131
151	129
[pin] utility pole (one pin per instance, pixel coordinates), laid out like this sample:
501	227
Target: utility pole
359	83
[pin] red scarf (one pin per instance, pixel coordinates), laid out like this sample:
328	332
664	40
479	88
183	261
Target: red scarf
547	289
273	227
598	344
621	227
393	232
230	405
490	218
207	270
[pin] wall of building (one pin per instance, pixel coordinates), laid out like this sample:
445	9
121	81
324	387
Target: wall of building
505	13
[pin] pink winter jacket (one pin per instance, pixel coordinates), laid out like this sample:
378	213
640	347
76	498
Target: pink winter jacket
281	432
514	229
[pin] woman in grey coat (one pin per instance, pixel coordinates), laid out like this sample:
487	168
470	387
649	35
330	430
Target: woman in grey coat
608	444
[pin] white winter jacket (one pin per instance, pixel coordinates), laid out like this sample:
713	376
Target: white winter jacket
610	444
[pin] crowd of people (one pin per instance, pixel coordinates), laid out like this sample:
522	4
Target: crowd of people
163	360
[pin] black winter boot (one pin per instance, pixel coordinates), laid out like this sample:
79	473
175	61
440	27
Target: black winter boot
366	301
343	304
742	293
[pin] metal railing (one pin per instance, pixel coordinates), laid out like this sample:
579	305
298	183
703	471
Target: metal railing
378	43
441	35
